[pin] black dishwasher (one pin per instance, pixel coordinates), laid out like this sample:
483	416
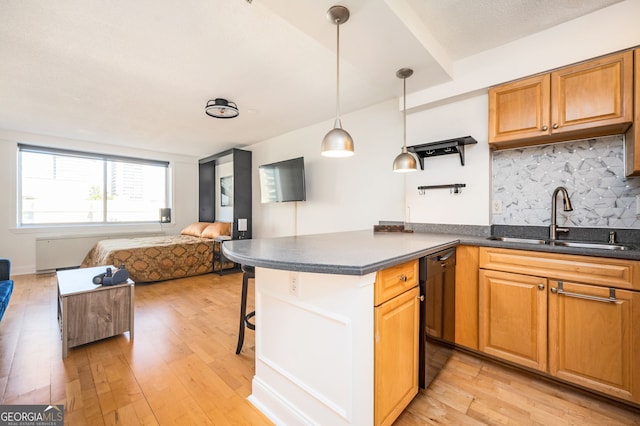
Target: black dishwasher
437	312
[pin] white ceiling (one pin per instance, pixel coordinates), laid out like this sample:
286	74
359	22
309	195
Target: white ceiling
139	72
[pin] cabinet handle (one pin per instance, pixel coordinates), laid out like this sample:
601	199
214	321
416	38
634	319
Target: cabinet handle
610	299
555	125
403	278
446	256
421	298
545	128
540	286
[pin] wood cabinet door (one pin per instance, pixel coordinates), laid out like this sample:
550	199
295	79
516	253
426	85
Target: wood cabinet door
632	137
593	93
594	341
466	332
396	355
520	109
513	317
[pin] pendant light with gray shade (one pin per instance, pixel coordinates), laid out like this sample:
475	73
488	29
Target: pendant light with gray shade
338	142
404	162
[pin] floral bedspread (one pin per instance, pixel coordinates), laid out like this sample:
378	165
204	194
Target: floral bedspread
157	258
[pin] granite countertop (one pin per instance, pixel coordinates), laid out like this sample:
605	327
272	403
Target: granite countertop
364	252
346	253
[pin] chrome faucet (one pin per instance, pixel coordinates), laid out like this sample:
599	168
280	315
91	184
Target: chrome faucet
553	228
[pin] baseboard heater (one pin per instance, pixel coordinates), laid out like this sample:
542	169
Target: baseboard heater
68	252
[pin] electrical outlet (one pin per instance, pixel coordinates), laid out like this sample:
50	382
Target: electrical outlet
293	283
496	207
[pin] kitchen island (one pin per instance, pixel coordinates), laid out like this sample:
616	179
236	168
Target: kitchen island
314	298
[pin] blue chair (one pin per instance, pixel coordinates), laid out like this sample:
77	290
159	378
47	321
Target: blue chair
6	285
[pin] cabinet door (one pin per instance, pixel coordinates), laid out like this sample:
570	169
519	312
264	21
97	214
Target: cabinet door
593	93
396	355
520	109
466	333
594	341
632	137
513	317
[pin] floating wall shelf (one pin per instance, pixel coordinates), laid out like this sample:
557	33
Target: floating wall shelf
449	146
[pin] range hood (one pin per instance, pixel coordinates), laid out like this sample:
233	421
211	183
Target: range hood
449	146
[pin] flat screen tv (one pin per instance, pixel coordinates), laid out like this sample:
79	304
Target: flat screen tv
282	181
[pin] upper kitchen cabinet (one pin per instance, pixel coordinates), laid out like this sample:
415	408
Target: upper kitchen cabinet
519	110
632	139
589	99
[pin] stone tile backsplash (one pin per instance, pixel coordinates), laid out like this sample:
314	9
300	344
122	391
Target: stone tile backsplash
592	170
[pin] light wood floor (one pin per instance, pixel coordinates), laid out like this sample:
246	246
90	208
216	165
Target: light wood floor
182	368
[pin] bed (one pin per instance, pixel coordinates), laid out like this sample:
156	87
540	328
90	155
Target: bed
165	257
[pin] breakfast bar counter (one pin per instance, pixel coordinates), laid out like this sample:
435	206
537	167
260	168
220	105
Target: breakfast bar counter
343	253
314	303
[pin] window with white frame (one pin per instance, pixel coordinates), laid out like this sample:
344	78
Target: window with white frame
71	187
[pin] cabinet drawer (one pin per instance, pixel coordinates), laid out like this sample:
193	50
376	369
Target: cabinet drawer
608	272
395	280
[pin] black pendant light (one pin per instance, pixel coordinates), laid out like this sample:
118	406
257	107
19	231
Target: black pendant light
221	108
404	162
338	142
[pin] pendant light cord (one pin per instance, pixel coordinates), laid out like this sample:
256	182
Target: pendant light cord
338	72
404	115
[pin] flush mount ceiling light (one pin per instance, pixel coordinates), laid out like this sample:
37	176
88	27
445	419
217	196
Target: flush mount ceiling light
221	108
338	142
404	162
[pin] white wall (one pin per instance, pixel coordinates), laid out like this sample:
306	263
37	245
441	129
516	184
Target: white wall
357	192
342	193
19	244
467	117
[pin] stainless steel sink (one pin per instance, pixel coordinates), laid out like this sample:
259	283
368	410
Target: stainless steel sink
601	246
518	240
560	243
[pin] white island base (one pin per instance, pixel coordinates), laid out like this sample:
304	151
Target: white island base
314	348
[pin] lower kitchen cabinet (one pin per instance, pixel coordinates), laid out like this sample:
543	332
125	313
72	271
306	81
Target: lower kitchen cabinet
594	339
513	317
466	332
396	350
574	317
